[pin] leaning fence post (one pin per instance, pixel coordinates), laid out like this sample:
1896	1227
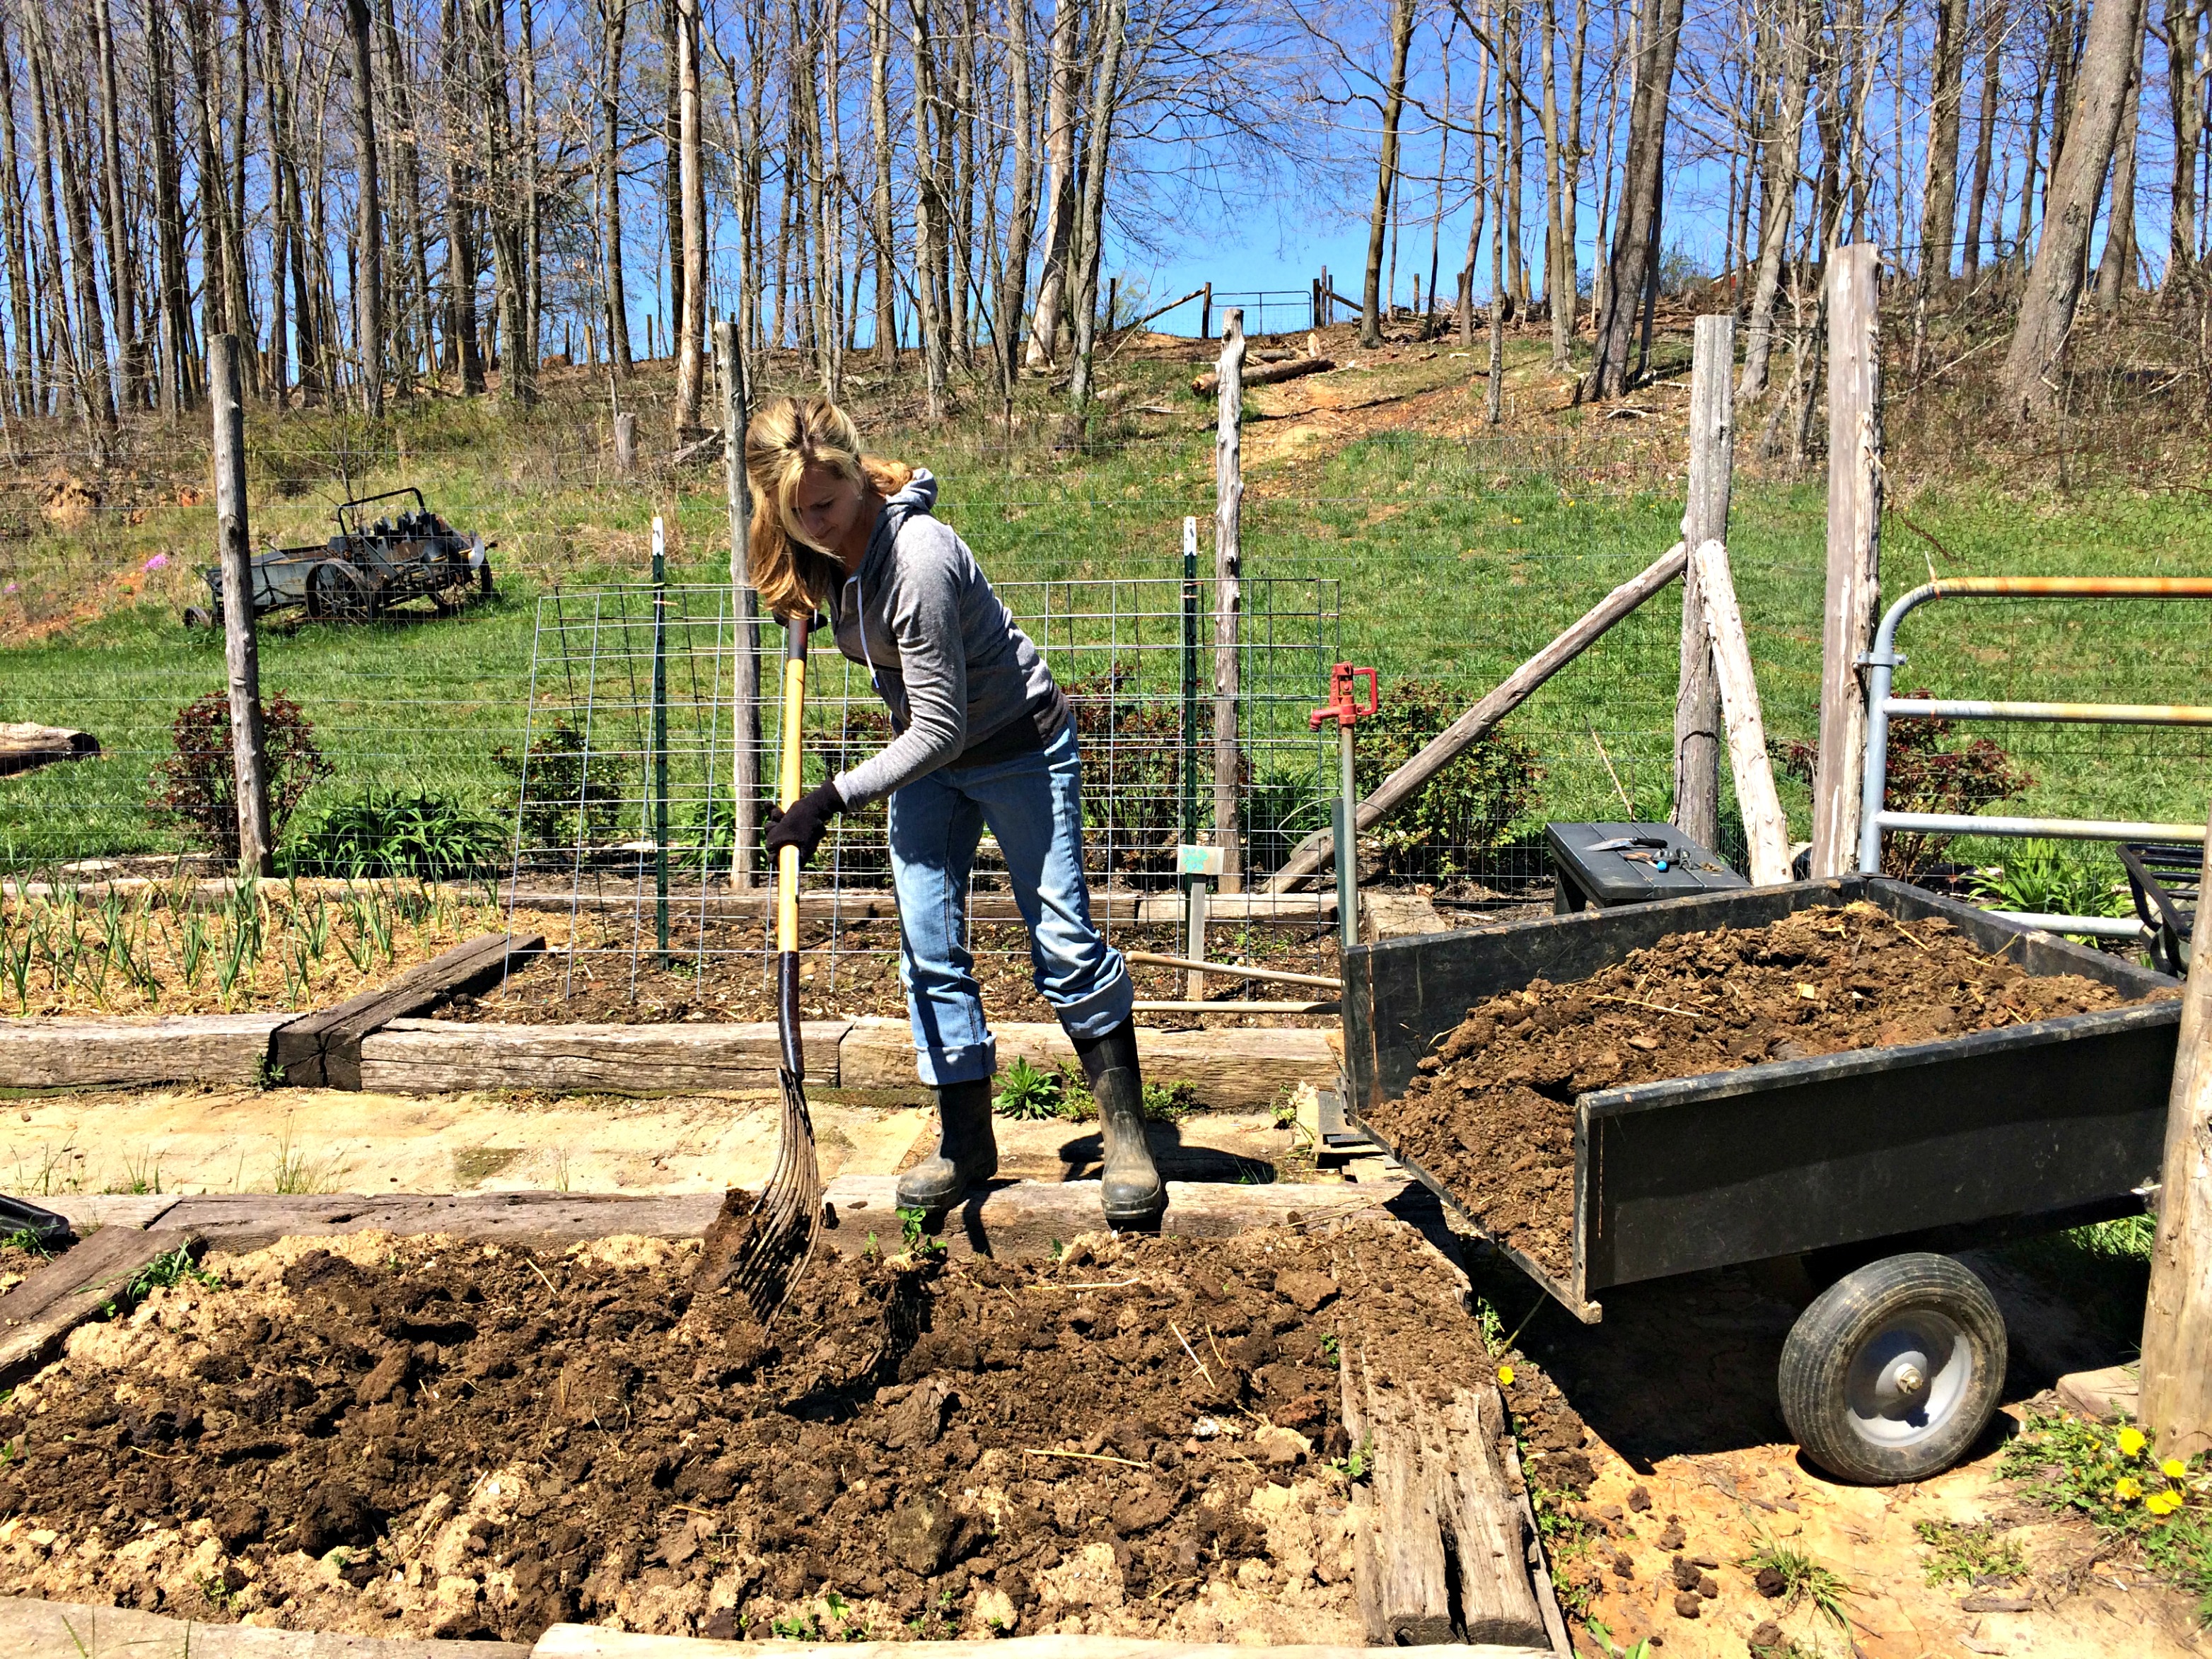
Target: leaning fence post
1854	586
2176	1399
625	443
744	695
248	752
1705	519
1228	593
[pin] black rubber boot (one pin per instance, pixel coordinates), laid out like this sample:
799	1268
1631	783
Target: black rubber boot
1129	1184
967	1152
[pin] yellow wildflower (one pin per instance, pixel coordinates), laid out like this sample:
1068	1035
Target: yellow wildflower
2132	1441
2127	1489
2163	1502
2174	1468
1505	1375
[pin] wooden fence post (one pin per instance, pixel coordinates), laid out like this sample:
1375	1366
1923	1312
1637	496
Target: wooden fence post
1705	519
744	606
625	443
1765	831
1854	588
248	751
2175	1405
1206	312
1228	594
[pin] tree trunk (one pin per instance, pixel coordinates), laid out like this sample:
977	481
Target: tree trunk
672	150
1985	134
1386	174
1090	227
1481	198
1939	207
1060	89
1777	194
614	26
692	309
122	280
64	363
1559	253
1021	219
461	267
531	310
22	376
1631	266
408	151
179	356
2116	271
369	235
928	217
275	70
2054	286
2186	92
880	203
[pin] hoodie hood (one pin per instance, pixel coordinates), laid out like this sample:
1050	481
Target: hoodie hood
915	500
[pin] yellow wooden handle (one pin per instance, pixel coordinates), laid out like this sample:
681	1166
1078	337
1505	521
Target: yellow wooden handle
786	792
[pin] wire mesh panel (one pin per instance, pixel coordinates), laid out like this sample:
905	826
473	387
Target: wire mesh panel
626	815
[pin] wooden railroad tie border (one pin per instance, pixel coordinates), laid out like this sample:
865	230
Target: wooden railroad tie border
74	1288
323	1050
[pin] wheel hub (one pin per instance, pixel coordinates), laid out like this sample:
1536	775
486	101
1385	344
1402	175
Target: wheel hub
1908	1378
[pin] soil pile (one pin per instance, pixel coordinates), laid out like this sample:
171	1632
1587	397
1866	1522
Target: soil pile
431	1437
1493	1113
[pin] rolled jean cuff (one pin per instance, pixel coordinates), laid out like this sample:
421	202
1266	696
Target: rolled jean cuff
966	1062
1101	1011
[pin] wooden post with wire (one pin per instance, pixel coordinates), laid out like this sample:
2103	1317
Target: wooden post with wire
1705	519
2175	1405
744	695
1854	583
1228	594
242	656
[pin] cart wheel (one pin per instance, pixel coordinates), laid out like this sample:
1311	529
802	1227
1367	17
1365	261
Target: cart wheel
1893	1370
338	592
483	579
199	616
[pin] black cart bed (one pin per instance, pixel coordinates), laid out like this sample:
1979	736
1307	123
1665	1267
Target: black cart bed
2059	1117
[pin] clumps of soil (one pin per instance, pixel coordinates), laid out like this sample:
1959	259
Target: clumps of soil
431	1437
849	968
17	1264
1492	1114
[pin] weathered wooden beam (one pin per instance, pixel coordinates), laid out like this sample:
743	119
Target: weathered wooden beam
1266	374
1018	1218
443	1056
1766	830
1234	1068
590	1642
323	1050
49	1054
1515	689
538	1221
25	746
73	1288
1704	517
31	1629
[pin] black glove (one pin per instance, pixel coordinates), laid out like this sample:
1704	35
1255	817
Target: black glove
803	822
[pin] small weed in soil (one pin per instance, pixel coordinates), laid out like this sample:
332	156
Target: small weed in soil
1961	1552
2163	1506
1491	1113
1786	1573
427	1438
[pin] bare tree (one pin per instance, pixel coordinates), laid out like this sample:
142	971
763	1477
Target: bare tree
1633	266
1091	227
1777	190
368	243
690	323
2185	77
1386	174
2116	269
2054	285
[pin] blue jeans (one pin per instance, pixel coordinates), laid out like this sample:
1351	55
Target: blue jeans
1033	805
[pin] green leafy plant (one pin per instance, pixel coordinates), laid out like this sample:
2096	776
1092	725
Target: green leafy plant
1615	1651
1960	1553
2051	878
1026	1092
2115	1478
378	833
1803	1579
1358	1464
914	1234
564	794
1468	809
29	1243
197	786
1169	1101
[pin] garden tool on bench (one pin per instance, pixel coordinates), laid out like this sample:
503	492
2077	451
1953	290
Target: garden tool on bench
760	1251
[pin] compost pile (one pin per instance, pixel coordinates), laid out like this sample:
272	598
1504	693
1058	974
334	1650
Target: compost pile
428	1437
1492	1114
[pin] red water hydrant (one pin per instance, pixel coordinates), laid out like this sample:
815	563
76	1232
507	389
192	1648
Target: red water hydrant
1344	707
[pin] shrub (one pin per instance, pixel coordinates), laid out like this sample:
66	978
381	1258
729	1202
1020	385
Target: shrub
1467	809
198	788
1132	796
563	797
1927	774
390	833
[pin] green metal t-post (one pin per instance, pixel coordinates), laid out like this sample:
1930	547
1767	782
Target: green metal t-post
1190	701
660	739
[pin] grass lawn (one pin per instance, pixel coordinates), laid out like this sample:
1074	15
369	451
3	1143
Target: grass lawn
1441	558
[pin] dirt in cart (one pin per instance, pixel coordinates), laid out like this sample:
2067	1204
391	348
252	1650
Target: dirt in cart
852	969
1493	1113
427	1437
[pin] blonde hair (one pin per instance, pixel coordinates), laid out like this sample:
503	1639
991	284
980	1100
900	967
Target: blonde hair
783	440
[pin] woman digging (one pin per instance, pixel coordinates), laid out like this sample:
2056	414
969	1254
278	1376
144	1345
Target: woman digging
984	737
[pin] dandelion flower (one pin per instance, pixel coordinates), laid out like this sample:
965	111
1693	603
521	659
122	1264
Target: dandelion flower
2127	1489
2174	1468
2132	1441
2163	1502
1505	1375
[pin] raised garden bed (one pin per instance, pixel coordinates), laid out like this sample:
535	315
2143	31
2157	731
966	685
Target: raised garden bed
440	1436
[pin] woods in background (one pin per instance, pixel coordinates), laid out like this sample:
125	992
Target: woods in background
378	196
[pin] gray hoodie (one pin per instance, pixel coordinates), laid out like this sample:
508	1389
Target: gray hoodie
944	653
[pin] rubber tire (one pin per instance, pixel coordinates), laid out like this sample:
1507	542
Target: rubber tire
199	616
1817	1361
483	579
